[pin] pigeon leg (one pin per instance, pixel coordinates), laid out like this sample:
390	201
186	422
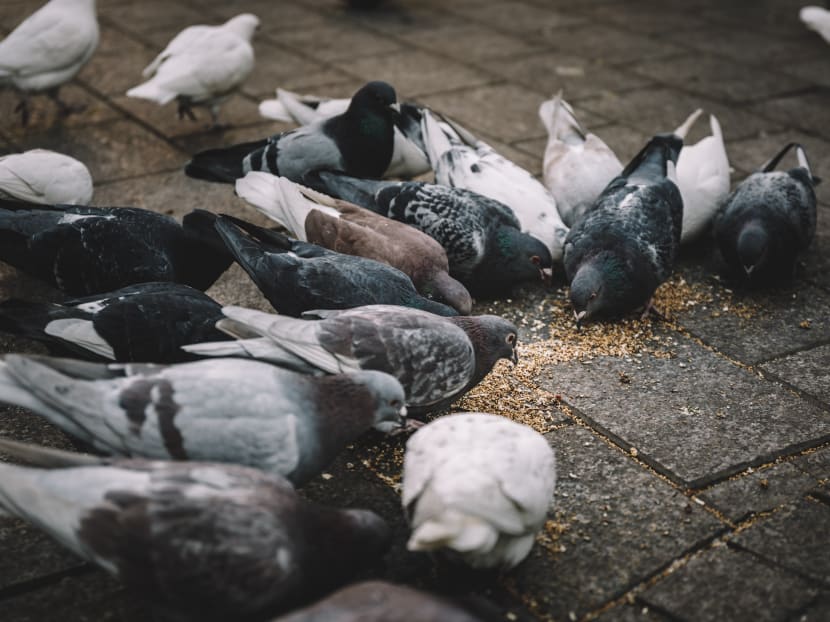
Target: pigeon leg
23	108
64	109
185	110
652	310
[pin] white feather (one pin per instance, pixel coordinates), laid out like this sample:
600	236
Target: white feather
818	19
46	177
82	333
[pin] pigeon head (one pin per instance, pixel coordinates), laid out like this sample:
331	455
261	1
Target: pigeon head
387	393
244	25
515	257
753	244
493	338
377	96
598	288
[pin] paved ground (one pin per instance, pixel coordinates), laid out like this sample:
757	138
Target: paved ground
693	454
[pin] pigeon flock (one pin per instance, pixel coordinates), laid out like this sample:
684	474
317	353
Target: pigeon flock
203	420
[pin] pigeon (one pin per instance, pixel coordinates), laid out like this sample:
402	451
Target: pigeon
486	248
358	142
202	65
197	540
47	49
436	359
477	486
346	228
577	165
768	220
45	177
90	250
379	601
461	160
625	245
408	157
298	276
148	323
219	410
818	19
702	176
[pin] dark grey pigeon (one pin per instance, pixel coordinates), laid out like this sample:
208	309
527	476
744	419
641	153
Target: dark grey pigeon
358	142
768	221
198	540
219	410
297	276
436	359
485	246
625	245
149	323
379	601
90	250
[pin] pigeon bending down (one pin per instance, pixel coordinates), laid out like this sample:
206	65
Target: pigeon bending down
149	322
201	66
47	49
408	157
379	601
577	165
461	160
358	142
298	276
219	410
436	359
477	486
346	228
45	177
486	248
90	250
702	177
197	540
816	18
768	220
625	245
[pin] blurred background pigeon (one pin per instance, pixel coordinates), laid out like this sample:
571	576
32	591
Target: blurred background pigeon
46	177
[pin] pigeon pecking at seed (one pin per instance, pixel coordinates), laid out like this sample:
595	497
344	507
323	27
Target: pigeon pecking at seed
45	177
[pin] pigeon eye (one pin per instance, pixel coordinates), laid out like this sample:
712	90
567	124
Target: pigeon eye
395	403
536	260
511	339
592	296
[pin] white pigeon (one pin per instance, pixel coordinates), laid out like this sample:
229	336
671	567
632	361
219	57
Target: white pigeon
818	19
46	177
461	160
201	66
47	49
408	157
577	165
702	176
478	487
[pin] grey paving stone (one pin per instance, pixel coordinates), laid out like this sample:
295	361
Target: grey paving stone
529	20
415	73
646	17
773	324
759	491
818	611
201	140
807	112
816	463
816	71
625	141
794	538
808	370
621	525
779	18
695	417
632	613
471	43
335	41
725	584
275	17
117	63
156	21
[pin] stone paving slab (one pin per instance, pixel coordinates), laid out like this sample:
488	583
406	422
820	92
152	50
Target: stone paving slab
806	112
117	63
809	371
720	584
816	463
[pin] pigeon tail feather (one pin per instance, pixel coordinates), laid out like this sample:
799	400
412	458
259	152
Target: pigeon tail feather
223	165
436	141
152	91
47	457
454	530
683	129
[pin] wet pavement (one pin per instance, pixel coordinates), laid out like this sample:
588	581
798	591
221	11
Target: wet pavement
693	458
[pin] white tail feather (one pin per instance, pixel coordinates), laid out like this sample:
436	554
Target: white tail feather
82	333
274	109
435	138
684	127
150	90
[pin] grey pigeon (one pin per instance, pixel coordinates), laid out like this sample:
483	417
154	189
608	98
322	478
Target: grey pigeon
219	410
358	142
379	601
768	221
297	276
148	323
436	359
486	248
197	540
625	245
478	487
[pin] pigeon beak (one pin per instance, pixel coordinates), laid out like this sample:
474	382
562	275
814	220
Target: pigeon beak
396	107
579	317
748	270
515	358
547	275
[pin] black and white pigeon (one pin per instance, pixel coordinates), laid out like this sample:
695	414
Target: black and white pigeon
768	221
298	276
379	601
358	142
478	487
149	323
625	245
197	540
436	359
218	410
408	157
90	250
486	248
